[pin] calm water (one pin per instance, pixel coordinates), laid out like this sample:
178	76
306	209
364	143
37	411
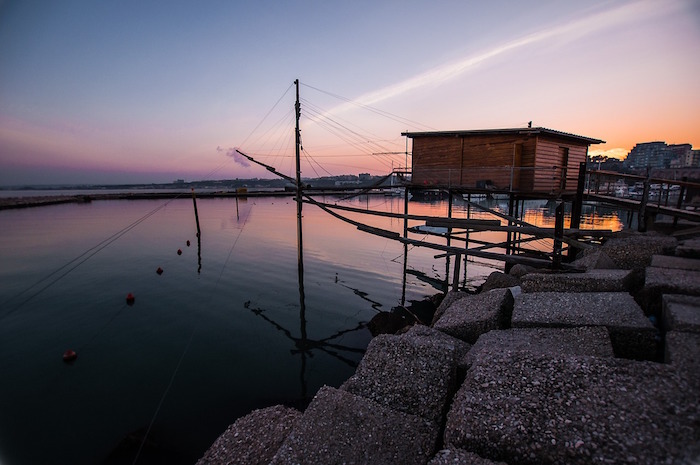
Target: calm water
218	334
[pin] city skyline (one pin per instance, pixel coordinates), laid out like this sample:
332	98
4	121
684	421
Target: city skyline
133	92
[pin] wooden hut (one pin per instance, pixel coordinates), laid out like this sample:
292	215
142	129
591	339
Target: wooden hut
525	160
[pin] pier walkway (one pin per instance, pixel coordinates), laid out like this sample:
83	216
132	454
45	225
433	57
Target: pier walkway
600	366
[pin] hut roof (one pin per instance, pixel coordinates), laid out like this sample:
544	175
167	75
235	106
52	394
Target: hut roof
509	131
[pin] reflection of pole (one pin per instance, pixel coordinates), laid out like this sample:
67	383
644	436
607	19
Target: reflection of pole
300	246
199	234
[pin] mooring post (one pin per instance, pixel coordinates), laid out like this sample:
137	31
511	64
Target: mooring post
679	203
558	235
455	277
449	238
642	216
196	215
199	234
577	206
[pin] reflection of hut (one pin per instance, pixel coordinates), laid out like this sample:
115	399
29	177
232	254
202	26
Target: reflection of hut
526	160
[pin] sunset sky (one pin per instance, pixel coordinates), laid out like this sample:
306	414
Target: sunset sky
145	91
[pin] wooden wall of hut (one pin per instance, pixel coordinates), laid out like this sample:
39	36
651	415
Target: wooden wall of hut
528	163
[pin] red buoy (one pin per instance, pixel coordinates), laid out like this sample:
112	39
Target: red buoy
69	356
159	270
188	242
130	299
179	251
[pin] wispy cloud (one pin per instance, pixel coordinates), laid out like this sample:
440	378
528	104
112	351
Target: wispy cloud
628	13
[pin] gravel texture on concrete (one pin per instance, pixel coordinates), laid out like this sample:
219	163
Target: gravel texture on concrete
499	280
536	409
595	259
450	298
689	248
519	270
681	312
636	250
474	315
252	439
591	281
460	457
584	340
670	281
413	373
341	428
631	333
683	351
679	263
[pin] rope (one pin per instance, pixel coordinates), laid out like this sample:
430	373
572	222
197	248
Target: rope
77	261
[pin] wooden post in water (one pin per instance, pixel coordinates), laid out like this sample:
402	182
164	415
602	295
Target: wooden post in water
577	206
679	203
558	235
199	234
449	240
642	216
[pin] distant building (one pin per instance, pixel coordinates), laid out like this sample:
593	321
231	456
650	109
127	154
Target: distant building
364	177
531	160
660	155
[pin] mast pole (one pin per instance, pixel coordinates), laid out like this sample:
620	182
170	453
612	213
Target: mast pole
297	134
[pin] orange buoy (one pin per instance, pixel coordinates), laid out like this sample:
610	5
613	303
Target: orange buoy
179	251
69	356
159	270
188	242
130	299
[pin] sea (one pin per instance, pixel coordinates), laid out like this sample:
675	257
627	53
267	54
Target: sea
221	323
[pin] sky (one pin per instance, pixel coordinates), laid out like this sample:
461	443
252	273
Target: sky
140	91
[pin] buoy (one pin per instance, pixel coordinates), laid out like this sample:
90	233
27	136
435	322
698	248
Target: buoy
69	356
188	242
179	251
159	270
130	299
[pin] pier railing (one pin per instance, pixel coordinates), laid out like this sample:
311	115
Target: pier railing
678	198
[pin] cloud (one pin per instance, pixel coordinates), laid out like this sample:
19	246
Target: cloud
237	157
588	25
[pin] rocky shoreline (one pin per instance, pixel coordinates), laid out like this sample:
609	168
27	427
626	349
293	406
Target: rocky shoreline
599	366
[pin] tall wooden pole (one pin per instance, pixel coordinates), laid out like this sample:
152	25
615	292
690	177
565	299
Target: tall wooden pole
300	248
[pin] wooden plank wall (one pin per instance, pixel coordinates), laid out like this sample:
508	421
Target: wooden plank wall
470	161
550	164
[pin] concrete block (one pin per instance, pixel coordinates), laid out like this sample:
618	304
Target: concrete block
536	409
584	340
631	333
671	281
450	298
679	263
683	351
689	248
339	427
460	457
635	251
413	373
474	315
591	281
498	280
681	313
594	259
254	438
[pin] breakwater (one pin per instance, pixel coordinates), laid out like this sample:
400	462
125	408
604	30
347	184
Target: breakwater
597	366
